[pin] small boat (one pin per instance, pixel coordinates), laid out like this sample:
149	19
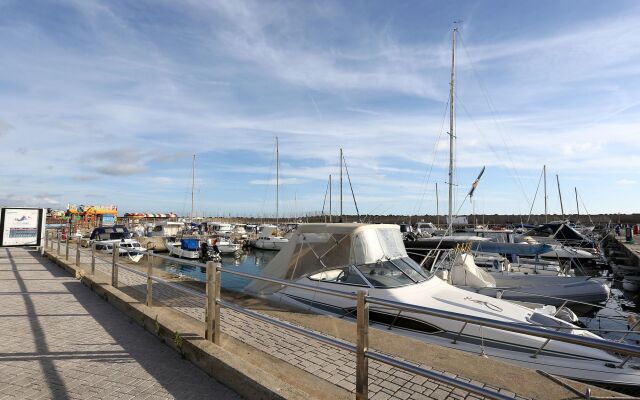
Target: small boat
187	248
224	246
631	283
130	248
269	239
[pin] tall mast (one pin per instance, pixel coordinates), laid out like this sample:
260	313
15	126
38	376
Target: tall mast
544	170
437	206
340	184
577	205
330	210
277	181
193	183
560	195
452	123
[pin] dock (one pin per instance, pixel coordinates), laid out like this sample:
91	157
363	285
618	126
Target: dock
84	317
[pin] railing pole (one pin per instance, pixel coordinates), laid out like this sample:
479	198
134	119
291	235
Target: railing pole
216	305
209	308
114	264
58	235
46	241
66	249
362	345
212	310
93	258
77	252
149	280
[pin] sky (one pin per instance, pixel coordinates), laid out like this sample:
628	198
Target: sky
106	102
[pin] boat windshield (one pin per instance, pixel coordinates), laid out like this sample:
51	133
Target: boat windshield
393	273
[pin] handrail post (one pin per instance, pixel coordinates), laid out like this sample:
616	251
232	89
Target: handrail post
149	280
59	235
114	264
77	252
212	310
46	241
362	346
66	247
93	258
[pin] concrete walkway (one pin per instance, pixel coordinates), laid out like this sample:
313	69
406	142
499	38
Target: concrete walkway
58	340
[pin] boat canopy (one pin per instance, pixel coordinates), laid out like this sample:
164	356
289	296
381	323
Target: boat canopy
316	247
189	244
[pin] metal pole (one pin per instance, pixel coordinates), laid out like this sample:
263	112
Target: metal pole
77	252
58	234
114	264
277	182
330	209
544	170
452	124
93	258
560	196
437	207
362	346
340	185
46	239
149	280
577	205
66	250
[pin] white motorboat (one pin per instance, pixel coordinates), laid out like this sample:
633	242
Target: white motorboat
130	248
186	248
349	257
224	246
518	286
269	239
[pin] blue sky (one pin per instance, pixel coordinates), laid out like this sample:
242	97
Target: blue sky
105	102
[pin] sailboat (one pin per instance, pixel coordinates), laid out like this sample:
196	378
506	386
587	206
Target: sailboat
268	236
186	247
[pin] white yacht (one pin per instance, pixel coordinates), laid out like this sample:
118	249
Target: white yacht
269	239
350	257
225	246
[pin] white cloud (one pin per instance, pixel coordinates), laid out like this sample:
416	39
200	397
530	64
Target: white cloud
626	182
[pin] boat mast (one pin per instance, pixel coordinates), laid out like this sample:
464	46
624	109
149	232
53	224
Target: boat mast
330	210
193	184
560	195
437	207
277	182
577	205
452	123
544	170
340	184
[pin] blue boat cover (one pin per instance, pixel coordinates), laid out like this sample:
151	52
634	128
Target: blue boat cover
189	244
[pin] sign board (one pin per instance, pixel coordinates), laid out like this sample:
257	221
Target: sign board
21	226
108	220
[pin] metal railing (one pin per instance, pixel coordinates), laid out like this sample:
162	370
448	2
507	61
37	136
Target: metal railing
213	303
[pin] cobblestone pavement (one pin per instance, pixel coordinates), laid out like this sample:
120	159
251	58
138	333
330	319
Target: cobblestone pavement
332	364
58	340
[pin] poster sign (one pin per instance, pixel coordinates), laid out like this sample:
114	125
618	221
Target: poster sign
108	220
21	226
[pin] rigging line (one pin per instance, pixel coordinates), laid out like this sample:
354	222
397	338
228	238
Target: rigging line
427	175
350	185
325	198
493	150
492	109
535	195
585	208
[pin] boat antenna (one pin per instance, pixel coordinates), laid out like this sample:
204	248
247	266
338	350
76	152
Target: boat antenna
452	122
350	185
560	196
193	183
